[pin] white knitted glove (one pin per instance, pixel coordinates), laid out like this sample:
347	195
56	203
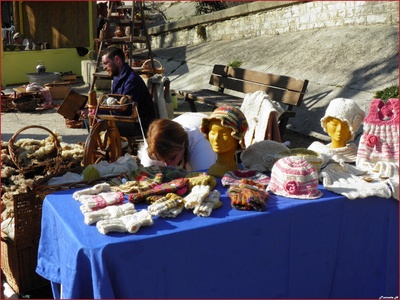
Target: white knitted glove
109	212
196	196
96	189
164	204
93	202
128	223
385	170
205	208
339	181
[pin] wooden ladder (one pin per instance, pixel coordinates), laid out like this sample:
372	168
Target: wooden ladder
135	36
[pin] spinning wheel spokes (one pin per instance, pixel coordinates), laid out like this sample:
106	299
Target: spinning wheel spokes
103	143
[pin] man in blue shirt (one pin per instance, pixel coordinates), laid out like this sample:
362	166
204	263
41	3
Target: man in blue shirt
127	82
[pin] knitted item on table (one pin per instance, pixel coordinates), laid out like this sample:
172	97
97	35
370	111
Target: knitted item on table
340	181
205	208
234	177
153	198
380	138
109	212
162	206
248	195
96	189
178	186
93	202
261	156
314	158
294	177
230	117
346	154
128	223
196	196
201	178
141	183
346	110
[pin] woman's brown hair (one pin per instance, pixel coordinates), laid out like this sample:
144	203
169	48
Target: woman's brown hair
165	138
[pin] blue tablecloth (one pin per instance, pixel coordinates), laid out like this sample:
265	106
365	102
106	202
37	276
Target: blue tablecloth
330	247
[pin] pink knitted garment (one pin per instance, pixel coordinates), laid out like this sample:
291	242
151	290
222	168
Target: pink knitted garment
294	177
380	139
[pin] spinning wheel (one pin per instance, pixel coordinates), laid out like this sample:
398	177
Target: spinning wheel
104	140
103	143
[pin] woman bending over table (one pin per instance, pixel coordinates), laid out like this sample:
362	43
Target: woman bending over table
177	143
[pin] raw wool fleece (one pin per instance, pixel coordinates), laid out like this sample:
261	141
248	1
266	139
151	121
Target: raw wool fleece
346	110
380	139
261	156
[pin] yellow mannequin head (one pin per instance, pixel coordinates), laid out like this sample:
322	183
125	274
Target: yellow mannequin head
339	132
221	138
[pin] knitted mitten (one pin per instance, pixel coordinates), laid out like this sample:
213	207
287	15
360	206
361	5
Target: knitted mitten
93	202
164	204
205	208
247	197
335	179
109	212
172	213
128	223
96	189
177	186
201	178
196	196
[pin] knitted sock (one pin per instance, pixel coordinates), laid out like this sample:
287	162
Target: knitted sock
96	189
109	212
177	186
172	213
196	196
164	204
128	223
234	177
205	208
93	202
247	197
201	178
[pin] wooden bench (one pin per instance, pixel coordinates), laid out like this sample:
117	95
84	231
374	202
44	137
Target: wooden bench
287	91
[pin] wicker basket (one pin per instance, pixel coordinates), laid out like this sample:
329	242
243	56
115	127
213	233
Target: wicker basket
19	256
7	103
148	70
26	103
51	164
58	91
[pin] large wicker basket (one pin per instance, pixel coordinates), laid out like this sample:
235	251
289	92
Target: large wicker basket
19	256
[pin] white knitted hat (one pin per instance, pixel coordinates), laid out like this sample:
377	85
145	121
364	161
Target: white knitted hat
346	110
294	177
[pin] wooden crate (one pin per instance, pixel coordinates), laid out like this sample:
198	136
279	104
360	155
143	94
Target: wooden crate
58	91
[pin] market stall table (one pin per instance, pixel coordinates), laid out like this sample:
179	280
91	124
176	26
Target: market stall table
330	247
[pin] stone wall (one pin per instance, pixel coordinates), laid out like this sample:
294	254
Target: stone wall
271	18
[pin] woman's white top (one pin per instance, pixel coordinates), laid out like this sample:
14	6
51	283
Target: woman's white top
201	156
